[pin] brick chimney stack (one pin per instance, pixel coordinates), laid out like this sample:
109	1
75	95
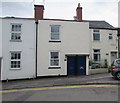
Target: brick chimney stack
79	12
39	10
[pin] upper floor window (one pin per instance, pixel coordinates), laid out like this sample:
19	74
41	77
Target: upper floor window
15	60
110	37
55	33
96	34
16	32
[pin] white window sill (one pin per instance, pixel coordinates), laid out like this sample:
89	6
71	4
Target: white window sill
96	40
15	68
54	67
15	40
54	41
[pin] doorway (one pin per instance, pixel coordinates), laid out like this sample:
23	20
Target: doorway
76	65
113	56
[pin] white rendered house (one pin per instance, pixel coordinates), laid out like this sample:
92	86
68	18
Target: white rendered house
62	46
18	48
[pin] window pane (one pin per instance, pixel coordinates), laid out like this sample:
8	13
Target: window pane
54	54
55	36
54	63
96	36
18	66
12	56
54	28
96	30
95	57
15	36
16	27
96	51
110	37
19	56
11	66
12	27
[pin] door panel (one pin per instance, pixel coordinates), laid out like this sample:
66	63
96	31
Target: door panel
71	65
81	65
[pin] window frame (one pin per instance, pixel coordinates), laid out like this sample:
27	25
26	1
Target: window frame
17	60
54	40
19	33
50	66
98	55
110	35
96	32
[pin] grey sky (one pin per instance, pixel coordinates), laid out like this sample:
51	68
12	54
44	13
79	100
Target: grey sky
64	9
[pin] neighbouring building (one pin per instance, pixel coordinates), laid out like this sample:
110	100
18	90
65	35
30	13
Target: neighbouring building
103	43
18	48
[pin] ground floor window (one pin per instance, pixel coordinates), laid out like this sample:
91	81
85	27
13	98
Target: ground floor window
15	62
96	55
54	59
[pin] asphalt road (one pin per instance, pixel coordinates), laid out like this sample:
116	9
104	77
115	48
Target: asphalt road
65	93
99	87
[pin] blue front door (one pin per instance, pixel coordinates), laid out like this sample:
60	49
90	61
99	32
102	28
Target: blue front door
76	65
71	65
81	65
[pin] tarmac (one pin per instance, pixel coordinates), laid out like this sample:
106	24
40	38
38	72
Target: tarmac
99	79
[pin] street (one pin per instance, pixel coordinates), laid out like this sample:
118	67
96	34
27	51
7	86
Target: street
69	93
98	87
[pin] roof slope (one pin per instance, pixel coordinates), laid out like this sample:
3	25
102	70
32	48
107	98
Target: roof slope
100	25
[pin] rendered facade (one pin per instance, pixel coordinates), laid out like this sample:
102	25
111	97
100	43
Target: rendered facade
18	48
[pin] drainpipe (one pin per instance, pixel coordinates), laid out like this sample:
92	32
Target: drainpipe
36	22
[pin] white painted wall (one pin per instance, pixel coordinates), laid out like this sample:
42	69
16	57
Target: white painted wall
74	40
0	45
105	45
119	14
27	47
0	37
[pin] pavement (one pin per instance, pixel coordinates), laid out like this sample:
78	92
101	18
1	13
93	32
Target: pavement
105	78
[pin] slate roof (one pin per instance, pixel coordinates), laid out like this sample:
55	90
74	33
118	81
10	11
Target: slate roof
92	24
100	25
